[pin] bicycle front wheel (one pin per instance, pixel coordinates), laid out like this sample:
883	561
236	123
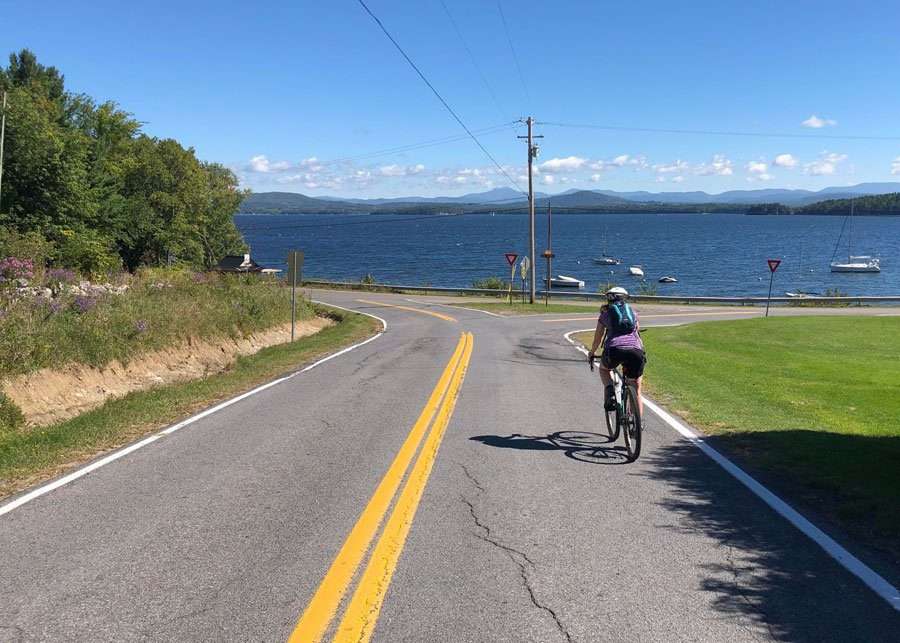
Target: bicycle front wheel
631	423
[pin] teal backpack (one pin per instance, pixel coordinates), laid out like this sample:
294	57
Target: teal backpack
621	318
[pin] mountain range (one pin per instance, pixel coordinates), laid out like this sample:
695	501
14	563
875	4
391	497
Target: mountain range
731	201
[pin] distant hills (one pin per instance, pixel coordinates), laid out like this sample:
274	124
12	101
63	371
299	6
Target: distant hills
876	204
507	199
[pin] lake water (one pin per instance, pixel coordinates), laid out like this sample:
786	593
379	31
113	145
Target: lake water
709	254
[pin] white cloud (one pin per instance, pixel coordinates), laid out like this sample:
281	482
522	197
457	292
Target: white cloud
895	166
400	170
815	122
757	167
548	179
260	163
719	166
825	165
785	160
596	178
678	179
567	164
623	160
671	168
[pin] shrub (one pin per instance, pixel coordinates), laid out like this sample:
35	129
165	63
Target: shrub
12	269
11	417
32	245
85	250
368	279
491	283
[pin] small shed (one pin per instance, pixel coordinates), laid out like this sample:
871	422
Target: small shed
238	263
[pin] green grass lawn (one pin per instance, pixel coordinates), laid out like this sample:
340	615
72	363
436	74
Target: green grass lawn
811	403
30	455
503	308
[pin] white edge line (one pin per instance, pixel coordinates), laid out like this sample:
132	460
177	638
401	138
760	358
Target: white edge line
847	560
436	303
93	466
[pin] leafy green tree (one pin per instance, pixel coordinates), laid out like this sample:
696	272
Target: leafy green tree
82	175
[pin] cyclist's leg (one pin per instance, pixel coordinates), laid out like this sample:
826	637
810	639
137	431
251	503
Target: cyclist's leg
634	371
605	370
637	386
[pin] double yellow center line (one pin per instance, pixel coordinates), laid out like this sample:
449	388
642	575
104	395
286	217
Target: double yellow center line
363	608
410	309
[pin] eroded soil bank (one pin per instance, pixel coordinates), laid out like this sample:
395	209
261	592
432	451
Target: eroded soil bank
52	395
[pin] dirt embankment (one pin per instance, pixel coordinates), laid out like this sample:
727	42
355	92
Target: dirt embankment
52	395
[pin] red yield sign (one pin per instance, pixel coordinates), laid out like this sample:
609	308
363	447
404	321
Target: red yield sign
511	257
773	264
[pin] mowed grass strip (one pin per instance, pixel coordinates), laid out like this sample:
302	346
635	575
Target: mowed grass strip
811	404
30	455
518	308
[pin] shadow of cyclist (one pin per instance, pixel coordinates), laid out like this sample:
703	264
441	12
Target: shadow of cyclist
583	446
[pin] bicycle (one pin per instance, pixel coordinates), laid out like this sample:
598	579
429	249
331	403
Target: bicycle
625	418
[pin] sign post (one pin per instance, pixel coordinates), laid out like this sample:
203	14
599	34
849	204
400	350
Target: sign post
295	270
511	260
773	266
523	268
548	255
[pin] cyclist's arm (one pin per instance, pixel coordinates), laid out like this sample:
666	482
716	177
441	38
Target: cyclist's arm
598	337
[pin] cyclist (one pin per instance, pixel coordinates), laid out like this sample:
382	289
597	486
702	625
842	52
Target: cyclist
618	330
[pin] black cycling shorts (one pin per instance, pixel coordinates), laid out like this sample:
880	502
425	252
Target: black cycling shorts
631	359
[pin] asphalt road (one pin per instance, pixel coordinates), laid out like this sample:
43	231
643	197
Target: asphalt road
527	526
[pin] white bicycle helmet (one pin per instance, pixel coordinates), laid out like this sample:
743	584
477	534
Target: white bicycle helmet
617	292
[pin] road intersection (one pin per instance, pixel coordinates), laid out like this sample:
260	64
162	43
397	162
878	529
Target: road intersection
447	482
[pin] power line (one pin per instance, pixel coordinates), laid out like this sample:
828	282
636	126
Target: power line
515	57
473	59
439	97
702	132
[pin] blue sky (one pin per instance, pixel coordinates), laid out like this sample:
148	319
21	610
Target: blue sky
279	91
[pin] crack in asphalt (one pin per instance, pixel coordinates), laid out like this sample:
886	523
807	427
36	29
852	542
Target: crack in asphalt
519	558
19	633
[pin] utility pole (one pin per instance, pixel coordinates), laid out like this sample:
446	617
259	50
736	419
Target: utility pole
2	137
533	152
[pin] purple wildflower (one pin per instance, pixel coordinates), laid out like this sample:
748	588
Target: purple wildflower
84	304
55	306
141	325
60	276
13	268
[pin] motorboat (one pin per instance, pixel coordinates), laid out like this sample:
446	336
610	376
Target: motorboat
636	271
857	263
668	279
562	281
801	294
606	261
854	263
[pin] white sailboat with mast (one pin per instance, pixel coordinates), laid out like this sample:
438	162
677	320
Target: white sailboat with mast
854	263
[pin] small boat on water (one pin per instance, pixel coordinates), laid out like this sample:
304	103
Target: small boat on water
562	281
854	263
857	263
668	279
636	271
606	261
802	294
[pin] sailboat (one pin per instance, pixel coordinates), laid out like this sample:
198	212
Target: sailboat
606	260
854	263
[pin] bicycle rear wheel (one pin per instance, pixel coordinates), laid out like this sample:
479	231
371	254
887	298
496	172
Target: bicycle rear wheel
631	423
